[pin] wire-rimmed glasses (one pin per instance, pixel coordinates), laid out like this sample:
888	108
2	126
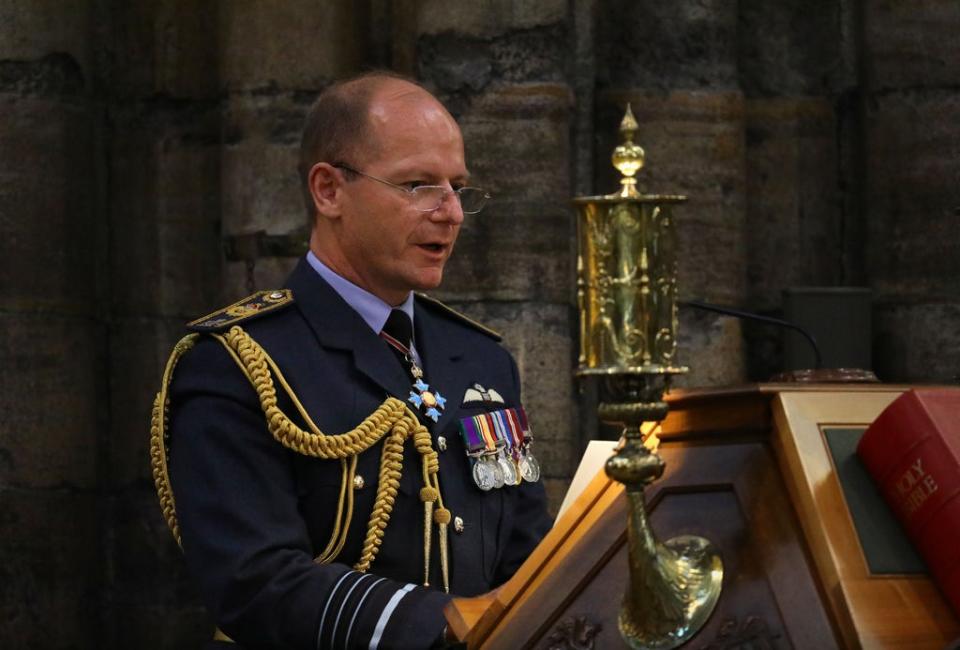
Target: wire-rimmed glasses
427	198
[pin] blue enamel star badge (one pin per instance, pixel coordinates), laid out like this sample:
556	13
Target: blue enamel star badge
422	397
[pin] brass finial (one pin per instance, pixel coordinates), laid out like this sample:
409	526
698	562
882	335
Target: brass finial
628	156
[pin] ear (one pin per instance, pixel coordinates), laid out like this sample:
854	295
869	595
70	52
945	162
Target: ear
324	182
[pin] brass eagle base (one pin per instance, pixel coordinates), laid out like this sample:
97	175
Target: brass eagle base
673	586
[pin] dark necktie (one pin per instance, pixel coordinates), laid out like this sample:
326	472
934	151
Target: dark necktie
398	333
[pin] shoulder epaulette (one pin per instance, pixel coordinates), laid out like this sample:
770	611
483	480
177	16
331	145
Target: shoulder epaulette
262	302
449	311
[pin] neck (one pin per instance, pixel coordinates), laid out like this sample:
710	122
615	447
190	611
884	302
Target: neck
341	266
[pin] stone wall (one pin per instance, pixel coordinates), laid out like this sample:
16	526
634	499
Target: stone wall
54	336
144	145
911	181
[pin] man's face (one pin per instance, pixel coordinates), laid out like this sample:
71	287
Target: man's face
389	247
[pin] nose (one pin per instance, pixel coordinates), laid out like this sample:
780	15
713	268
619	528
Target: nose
450	210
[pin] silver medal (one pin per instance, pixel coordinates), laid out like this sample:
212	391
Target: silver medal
529	468
483	475
495	469
508	469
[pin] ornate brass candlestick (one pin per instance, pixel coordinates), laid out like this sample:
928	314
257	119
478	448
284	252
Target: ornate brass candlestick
626	290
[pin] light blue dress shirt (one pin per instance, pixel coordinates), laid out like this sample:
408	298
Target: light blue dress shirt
372	309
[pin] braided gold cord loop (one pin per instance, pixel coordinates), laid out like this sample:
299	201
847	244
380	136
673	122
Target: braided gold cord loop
391	460
392	421
254	361
159	457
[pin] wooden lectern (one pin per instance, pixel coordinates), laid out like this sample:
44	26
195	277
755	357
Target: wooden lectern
765	473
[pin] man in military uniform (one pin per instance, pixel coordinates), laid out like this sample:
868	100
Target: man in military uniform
325	450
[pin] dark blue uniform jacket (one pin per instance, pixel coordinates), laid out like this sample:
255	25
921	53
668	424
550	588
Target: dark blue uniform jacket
254	514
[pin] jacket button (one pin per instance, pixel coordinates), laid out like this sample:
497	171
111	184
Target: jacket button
442	443
358	482
458	524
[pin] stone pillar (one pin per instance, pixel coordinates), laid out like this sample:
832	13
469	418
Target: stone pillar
163	173
912	198
52	334
500	67
676	63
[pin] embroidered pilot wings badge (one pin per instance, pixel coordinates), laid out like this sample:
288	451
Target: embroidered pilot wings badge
478	394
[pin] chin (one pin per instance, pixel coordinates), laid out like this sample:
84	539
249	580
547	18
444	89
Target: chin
428	281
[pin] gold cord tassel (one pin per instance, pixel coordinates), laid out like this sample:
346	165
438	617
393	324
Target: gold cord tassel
428	496
443	518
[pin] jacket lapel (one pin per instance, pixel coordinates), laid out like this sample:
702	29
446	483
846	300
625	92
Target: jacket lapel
337	325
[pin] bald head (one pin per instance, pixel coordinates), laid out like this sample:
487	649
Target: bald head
397	107
345	121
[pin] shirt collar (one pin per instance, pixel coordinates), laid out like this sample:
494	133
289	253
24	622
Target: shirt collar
372	309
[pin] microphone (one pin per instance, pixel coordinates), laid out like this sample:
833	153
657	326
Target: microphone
737	313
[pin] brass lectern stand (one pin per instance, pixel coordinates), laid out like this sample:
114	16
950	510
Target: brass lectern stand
626	289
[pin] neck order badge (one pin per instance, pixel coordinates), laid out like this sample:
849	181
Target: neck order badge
398	332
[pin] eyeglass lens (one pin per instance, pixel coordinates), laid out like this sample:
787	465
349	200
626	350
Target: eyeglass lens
472	199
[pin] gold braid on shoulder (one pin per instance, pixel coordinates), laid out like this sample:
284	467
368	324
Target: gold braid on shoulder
392	419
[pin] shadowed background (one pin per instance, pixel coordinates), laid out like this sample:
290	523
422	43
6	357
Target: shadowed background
142	144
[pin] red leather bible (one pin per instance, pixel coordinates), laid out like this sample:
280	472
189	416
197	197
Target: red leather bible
912	450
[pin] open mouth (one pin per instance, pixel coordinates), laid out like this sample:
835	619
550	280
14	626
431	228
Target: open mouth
433	248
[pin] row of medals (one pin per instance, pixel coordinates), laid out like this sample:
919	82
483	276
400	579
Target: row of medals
492	469
495	469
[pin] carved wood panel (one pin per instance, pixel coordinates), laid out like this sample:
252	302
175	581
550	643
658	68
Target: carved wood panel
733	495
